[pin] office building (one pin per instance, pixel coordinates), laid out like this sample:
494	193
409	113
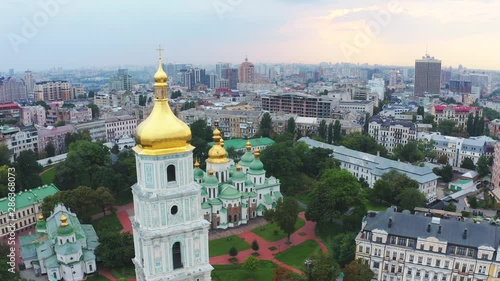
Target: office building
96	129
121	82
359	106
29	80
427	76
19	140
298	103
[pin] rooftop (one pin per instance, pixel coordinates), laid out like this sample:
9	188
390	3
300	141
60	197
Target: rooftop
29	197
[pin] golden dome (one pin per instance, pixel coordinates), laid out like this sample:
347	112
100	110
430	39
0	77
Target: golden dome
162	132
196	164
64	220
211	172
256	153
249	145
238	167
217	154
40	217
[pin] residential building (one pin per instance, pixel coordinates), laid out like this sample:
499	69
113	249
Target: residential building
19	140
247	72
52	90
427	75
459	114
494	127
232	123
29	80
299	103
390	133
377	86
231	76
12	89
61	247
96	129
56	136
119	126
33	115
371	167
121	82
28	205
10	111
310	125
69	115
406	247
77	90
357	105
495	171
493	104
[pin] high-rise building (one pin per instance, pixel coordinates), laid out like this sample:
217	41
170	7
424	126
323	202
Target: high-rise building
121	82
11	72
30	83
12	89
170	232
231	75
427	75
52	90
247	72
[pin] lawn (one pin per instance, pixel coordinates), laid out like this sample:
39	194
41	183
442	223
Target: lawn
221	246
373	206
109	222
237	272
97	278
297	255
126	272
48	177
272	232
304	197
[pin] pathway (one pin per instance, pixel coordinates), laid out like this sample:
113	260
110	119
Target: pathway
281	245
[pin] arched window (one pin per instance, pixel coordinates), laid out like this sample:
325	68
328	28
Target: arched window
235	218
171	173
260	196
176	255
229	218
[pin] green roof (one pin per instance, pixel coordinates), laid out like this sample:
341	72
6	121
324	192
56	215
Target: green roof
215	201
244	205
51	262
29	197
88	255
211	180
241	143
223	210
204	191
238	176
256	167
41	225
261	208
268	199
246	159
68	248
65	230
461	182
205	205
198	173
229	192
277	195
252	194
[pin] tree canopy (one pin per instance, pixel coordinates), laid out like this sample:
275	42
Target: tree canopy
266	126
396	188
363	143
284	215
358	271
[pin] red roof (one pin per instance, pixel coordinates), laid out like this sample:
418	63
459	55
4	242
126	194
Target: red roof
9	106
457	108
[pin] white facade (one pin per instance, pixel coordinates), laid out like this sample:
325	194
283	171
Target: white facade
391	134
33	115
18	140
359	106
119	126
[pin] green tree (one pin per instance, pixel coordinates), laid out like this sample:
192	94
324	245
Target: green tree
115	149
290	126
470	124
255	245
443	159
391	185
251	264
358	271
4	155
363	143
76	136
409	152
479	126
446	173
482	166
450	207
409	198
27	171
344	248
116	250
60	123
43	103
282	161
284	215
473	203
283	274
429	119
233	252
50	149
266	126
95	110
337	130
104	199
322	130
201	135
467	163
446	127
91	94
420	111
321	267
330	133
6	273
176	94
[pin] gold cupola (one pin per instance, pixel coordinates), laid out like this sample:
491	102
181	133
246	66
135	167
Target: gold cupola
162	132
217	154
64	220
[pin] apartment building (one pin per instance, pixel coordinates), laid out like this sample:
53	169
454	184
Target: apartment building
28	207
119	126
10	111
18	140
232	123
357	105
53	90
459	114
299	103
56	136
310	125
495	171
33	115
96	129
405	247
371	167
391	133
68	115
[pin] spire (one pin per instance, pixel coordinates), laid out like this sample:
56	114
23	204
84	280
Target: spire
256	153
249	145
221	142
196	163
160	78
246	58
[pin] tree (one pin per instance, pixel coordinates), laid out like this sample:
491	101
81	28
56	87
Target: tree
60	123
409	198
115	149
443	159
337	130
284	215
282	161
447	173
482	166
450	207
363	143
176	94
50	149
233	252
255	245
467	163
330	133
420	111
142	100
266	126
391	185
470	124
91	94
409	152
478	125
321	267
357	271
104	199
27	171
322	130
446	127
201	135
283	274
251	264
6	273
76	136
43	103
95	110
116	249
290	126
472	202
4	155
344	247
429	119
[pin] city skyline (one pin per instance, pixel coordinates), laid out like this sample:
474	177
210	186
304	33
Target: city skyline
72	34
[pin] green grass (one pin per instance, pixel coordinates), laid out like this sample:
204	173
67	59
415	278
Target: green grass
109	222
373	206
272	232
297	255
237	272
304	197
326	231
48	177
97	278
126	272
221	246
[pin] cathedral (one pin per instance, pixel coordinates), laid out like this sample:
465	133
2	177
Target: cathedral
233	194
170	231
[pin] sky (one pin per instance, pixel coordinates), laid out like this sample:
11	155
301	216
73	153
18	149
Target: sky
41	34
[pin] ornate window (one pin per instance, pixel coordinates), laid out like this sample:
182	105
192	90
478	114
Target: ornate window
170	173
176	255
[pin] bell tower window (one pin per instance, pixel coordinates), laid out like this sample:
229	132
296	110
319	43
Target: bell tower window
171	173
176	255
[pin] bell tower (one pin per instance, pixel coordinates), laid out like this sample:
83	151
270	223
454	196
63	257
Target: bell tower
170	233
